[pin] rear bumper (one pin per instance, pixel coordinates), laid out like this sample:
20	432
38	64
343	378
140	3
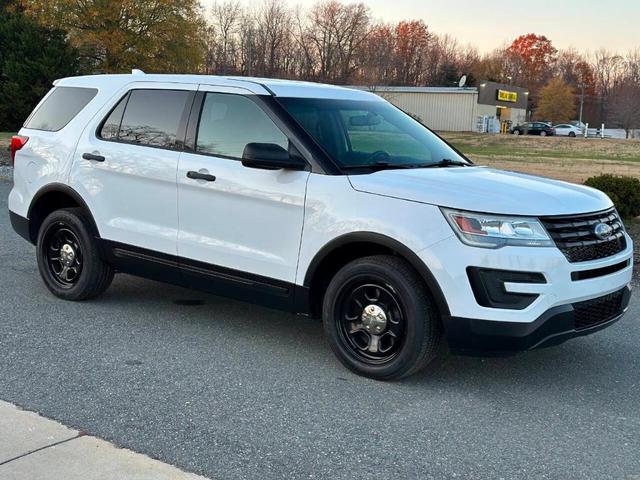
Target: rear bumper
556	325
20	225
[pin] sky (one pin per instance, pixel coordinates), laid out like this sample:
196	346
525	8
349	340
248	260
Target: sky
585	25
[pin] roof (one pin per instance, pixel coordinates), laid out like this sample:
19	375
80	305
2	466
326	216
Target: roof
252	85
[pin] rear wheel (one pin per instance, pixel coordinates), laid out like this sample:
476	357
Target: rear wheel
572	134
516	132
543	133
379	318
68	258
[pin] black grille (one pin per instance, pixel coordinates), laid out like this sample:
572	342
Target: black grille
574	235
598	310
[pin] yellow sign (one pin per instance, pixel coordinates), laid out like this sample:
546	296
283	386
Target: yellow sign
506	96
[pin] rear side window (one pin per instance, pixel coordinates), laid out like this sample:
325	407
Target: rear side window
151	117
228	122
60	107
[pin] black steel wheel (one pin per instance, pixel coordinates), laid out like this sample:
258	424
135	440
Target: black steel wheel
380	319
64	255
69	259
372	320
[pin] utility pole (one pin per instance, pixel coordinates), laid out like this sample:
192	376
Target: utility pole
581	102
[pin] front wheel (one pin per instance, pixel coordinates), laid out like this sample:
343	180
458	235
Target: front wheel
572	134
379	318
68	258
516	132
543	133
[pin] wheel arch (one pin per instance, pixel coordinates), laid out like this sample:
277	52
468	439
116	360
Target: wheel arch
50	198
345	248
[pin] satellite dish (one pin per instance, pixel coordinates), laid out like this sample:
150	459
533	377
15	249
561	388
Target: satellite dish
463	81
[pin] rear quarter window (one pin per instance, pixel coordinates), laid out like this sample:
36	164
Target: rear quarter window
59	108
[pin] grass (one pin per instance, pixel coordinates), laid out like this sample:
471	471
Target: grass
563	158
5	137
546	147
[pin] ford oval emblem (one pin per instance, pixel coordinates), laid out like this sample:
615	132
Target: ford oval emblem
602	231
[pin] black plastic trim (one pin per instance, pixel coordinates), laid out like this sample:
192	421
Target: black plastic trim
198	275
599	272
20	225
468	336
489	291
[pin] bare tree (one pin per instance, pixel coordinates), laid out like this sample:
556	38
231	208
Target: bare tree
222	42
624	110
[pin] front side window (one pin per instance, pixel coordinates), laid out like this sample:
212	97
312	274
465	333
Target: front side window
369	133
60	107
229	122
152	117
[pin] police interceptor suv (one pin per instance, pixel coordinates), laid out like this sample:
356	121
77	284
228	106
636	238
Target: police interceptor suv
317	200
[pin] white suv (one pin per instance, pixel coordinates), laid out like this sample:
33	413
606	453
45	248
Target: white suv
313	199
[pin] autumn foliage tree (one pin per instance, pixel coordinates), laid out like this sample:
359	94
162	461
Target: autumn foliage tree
117	35
556	102
530	59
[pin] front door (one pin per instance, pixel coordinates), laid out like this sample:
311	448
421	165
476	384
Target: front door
239	227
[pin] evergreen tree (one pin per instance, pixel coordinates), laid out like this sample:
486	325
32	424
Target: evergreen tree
31	58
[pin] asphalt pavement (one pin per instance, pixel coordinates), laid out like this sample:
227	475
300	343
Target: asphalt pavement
234	391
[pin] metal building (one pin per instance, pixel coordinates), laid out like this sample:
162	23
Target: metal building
460	109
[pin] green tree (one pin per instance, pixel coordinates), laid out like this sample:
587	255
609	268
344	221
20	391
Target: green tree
31	58
557	102
114	36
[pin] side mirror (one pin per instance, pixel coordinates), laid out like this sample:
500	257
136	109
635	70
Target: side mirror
270	156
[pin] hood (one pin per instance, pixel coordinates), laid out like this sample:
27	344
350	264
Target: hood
483	189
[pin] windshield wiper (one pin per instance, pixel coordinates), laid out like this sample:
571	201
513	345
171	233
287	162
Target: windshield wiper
382	165
447	162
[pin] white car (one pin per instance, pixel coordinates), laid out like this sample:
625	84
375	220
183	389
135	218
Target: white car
567	130
313	199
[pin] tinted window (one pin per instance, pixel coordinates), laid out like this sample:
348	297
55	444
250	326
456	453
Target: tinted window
152	117
367	133
228	122
364	133
60	108
111	125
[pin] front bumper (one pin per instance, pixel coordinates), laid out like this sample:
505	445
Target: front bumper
548	319
558	324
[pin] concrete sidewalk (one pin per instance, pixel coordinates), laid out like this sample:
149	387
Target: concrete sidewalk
34	448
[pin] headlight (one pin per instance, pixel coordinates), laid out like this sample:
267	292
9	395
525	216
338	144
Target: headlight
495	231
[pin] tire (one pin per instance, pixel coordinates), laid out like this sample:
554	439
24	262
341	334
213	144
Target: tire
66	239
516	132
572	134
543	133
408	333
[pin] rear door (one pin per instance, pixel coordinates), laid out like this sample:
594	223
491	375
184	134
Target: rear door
240	228
125	165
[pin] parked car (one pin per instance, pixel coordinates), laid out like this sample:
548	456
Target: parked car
314	199
566	130
533	128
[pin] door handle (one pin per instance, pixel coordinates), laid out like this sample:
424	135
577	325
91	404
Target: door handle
91	156
200	176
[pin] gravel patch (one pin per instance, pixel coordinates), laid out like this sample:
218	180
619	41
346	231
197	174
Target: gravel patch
6	172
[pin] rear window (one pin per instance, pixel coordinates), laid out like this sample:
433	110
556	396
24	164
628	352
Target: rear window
151	118
60	107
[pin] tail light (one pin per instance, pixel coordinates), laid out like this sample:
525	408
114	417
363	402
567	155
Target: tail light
17	142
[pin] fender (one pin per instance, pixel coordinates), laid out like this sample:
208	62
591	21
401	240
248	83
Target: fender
65	189
392	244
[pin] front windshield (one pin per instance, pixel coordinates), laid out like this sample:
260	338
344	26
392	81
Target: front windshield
369	134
